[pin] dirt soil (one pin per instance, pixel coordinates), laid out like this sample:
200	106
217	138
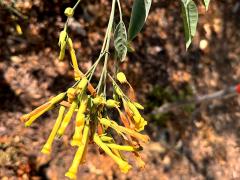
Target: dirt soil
200	144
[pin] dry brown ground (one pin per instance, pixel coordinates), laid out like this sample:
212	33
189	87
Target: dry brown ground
202	145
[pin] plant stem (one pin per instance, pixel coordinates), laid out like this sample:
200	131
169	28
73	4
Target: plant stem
75	6
120	10
105	47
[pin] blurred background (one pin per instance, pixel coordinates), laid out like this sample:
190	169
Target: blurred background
195	141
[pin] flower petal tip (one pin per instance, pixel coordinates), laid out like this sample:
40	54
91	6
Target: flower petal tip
125	168
46	150
75	143
28	124
71	175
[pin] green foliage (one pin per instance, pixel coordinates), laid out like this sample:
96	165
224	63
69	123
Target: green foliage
140	11
139	15
120	41
190	20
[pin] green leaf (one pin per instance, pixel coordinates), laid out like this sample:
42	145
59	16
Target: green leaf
139	15
206	3
120	41
190	20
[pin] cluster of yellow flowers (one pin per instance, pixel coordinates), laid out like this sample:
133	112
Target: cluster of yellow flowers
92	111
93	124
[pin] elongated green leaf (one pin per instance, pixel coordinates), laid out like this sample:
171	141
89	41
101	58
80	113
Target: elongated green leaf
139	15
190	20
120	40
206	3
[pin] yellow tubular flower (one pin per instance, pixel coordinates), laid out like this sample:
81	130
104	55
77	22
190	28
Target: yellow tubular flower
126	108
141	137
83	159
67	118
36	113
117	153
121	147
80	120
35	116
72	172
83	106
133	108
47	147
74	60
57	98
77	137
140	123
115	126
123	165
111	140
62	52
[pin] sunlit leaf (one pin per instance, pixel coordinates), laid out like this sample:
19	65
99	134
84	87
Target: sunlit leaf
139	15
120	40
206	3
190	20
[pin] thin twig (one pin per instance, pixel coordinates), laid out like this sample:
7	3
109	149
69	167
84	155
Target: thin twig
13	10
225	93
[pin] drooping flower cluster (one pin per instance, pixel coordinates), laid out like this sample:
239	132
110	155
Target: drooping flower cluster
93	123
113	124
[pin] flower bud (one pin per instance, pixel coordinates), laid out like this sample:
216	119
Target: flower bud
112	103
62	38
121	77
106	138
69	12
139	106
133	108
71	93
105	122
98	100
83	84
118	91
62	43
72	172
